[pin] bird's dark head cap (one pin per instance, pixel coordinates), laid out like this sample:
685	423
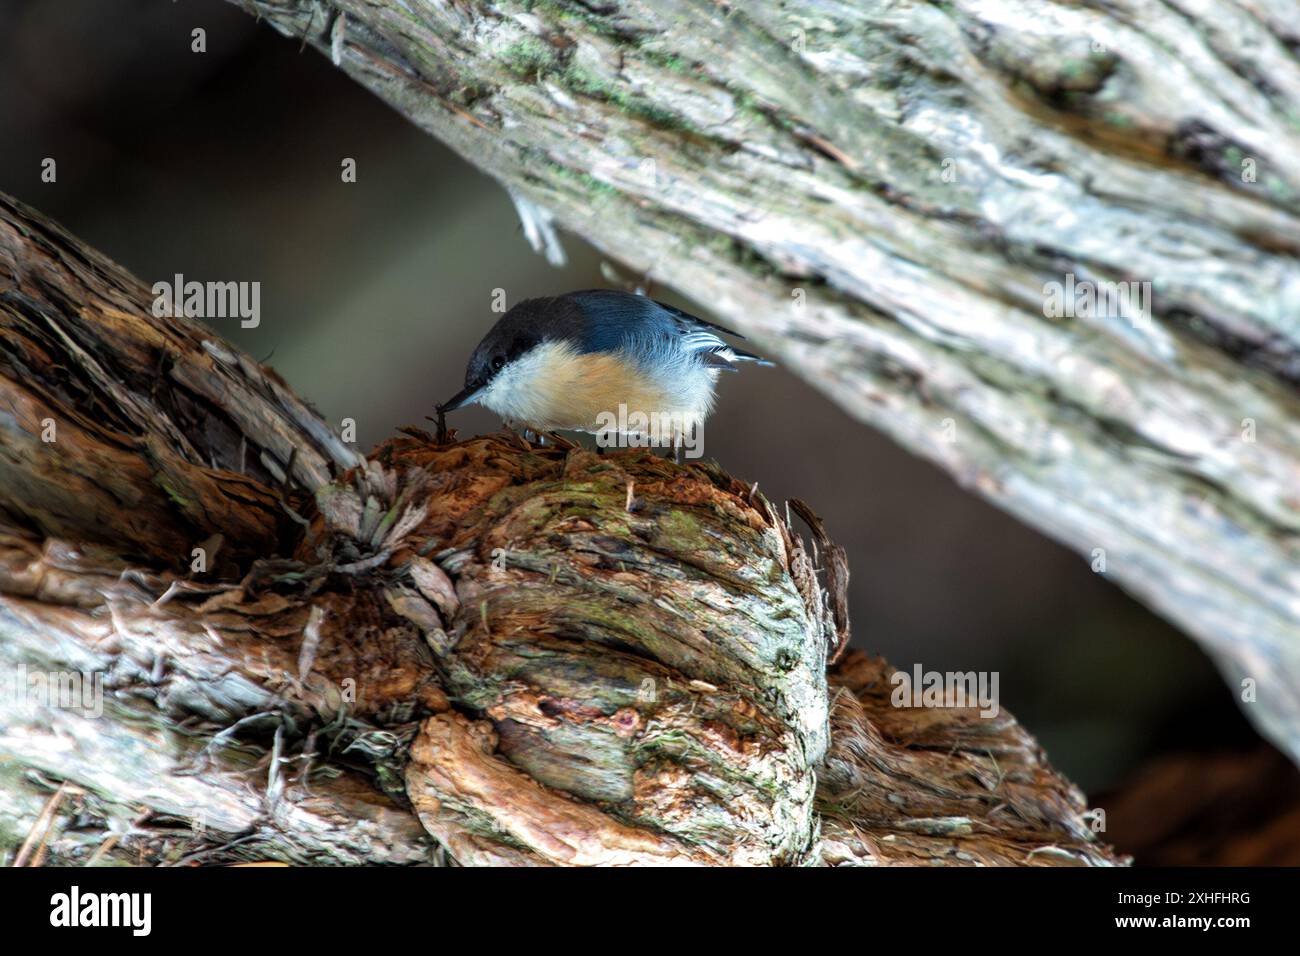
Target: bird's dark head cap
520	330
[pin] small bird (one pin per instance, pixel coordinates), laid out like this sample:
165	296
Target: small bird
600	361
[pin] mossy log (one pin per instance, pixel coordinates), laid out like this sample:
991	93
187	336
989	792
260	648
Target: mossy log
883	193
479	651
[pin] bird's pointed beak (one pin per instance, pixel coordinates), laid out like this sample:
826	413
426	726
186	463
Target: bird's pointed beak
466	396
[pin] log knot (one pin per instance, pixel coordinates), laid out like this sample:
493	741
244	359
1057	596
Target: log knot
646	642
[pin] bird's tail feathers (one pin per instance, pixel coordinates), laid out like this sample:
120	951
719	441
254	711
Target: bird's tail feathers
725	359
742	356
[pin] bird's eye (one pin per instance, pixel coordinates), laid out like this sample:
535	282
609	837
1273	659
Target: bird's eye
497	363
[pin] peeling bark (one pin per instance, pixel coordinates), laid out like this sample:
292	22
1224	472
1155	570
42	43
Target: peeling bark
881	193
474	651
152	436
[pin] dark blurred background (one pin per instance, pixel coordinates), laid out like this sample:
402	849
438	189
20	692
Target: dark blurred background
225	165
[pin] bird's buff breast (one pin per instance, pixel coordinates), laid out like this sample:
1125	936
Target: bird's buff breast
556	388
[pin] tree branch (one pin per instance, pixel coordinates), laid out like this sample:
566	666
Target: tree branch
548	655
883	196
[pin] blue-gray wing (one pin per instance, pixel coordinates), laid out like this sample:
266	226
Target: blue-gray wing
610	315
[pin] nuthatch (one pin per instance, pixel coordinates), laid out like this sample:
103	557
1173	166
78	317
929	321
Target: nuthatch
597	360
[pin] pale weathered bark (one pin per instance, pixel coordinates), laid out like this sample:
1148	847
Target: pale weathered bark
880	192
478	651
